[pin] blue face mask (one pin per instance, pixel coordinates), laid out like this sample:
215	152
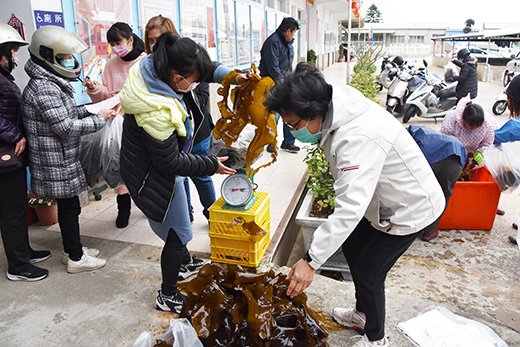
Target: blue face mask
303	135
68	63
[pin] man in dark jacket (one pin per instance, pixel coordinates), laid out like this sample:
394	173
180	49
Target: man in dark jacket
467	78
276	61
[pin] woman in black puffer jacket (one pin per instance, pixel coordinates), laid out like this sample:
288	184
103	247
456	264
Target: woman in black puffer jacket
467	78
13	181
155	150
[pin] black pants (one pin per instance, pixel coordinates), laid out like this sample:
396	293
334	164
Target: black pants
173	255
447	172
370	254
13	219
68	219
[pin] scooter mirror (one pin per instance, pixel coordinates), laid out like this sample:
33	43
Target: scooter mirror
425	63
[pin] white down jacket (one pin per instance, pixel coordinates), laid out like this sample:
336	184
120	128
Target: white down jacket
380	173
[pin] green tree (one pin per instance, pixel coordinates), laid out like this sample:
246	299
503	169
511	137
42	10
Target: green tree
468	24
373	15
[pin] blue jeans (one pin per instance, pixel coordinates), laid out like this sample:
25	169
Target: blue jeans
204	184
287	136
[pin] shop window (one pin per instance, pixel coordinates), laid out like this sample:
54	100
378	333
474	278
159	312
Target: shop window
257	31
243	34
416	39
193	21
93	19
226	32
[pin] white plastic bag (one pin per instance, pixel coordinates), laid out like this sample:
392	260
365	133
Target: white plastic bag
180	333
439	327
450	71
503	161
184	335
110	151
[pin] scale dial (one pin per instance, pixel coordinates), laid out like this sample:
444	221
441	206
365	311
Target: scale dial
236	190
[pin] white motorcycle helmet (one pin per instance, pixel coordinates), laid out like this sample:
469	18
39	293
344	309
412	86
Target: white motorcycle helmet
10	39
49	44
9	35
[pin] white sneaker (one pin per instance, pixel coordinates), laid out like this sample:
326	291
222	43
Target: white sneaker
365	342
350	317
90	251
86	263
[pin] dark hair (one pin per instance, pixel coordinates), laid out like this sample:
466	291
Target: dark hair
289	23
5	49
304	93
513	97
473	115
182	55
121	30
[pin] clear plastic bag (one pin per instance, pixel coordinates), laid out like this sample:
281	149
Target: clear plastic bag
503	161
90	156
180	333
110	151
450	71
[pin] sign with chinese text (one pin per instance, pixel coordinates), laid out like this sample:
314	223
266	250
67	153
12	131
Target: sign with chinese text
42	18
17	25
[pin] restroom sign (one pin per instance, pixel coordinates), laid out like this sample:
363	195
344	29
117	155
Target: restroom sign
17	25
43	18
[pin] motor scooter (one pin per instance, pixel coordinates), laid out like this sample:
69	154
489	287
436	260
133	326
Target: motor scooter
387	75
398	89
500	105
425	101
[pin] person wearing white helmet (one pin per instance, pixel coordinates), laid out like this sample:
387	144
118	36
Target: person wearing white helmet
54	127
13	182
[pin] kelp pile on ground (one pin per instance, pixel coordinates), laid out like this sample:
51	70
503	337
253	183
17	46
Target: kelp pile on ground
240	308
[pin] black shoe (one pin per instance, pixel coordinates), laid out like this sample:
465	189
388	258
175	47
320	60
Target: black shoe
191	218
171	303
270	148
290	147
123	206
191	268
513	240
38	256
31	273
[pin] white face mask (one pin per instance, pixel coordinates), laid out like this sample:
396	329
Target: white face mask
16	61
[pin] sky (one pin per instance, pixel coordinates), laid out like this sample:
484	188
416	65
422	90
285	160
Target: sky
451	12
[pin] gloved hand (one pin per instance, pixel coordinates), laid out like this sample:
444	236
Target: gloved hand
478	157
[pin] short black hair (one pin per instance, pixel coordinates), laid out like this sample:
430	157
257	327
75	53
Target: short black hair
5	49
473	115
289	23
182	55
304	93
121	30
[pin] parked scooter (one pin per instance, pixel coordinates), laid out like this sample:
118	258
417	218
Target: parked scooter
425	101
398	89
387	75
500	105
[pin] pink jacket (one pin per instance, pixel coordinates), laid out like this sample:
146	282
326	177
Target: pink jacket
114	76
476	140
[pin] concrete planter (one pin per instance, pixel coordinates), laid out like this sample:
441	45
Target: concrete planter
308	225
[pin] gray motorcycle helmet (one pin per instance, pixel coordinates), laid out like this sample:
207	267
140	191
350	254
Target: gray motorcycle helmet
51	43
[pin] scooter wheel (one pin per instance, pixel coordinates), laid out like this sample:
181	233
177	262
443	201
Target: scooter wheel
499	107
379	86
410	112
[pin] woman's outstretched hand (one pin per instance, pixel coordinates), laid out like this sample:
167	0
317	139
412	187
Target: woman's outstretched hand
222	169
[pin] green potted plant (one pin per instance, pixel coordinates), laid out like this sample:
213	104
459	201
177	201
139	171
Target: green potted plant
341	52
311	56
45	208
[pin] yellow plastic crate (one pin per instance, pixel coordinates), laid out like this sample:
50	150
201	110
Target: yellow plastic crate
229	223
230	251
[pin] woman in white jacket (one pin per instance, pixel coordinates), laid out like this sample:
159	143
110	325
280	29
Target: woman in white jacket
386	193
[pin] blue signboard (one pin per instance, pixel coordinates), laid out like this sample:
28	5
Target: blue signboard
42	18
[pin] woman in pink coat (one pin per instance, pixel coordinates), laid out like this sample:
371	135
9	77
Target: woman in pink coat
128	49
